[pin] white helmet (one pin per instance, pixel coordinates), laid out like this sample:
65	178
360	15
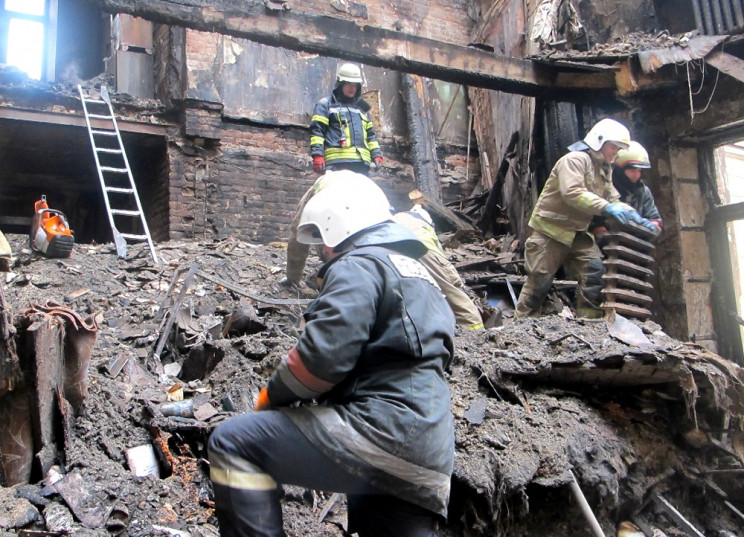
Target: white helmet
606	130
341	209
349	72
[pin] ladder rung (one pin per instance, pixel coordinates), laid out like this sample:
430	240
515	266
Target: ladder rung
113	170
99	116
125	212
107	150
104	133
119	190
134	237
95	101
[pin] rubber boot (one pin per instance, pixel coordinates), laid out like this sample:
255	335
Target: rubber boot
248	513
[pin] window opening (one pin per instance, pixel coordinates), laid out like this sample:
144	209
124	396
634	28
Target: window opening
29	35
29	7
730	182
26	46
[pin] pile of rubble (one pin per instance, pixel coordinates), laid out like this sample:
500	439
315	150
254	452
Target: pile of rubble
564	426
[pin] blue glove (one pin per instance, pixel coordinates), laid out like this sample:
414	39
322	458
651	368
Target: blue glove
623	213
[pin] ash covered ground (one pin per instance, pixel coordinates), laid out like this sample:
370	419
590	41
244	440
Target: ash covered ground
636	417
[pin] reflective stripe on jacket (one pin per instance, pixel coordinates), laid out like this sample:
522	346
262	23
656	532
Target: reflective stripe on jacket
343	132
579	187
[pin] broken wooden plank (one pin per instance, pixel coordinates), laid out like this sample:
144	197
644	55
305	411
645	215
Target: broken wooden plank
173	308
677	516
368	44
253	296
734	509
727	64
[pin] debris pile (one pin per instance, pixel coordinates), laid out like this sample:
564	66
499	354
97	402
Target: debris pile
645	429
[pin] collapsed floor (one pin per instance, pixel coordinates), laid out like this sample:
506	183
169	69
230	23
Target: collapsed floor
645	423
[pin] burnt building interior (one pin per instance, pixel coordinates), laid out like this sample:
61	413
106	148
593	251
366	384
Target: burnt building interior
211	119
473	102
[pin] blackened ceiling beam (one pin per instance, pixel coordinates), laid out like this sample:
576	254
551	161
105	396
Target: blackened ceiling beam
280	26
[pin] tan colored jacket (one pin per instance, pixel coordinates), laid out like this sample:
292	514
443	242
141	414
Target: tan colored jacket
579	187
423	230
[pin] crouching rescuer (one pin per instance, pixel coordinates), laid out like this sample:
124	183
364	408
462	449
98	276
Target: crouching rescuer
374	417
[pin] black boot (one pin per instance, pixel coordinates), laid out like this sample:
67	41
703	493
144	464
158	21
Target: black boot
248	513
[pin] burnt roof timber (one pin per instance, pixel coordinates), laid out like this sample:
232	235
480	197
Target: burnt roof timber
371	45
79	121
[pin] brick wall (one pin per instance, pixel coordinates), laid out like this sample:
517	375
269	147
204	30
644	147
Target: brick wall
249	183
251	169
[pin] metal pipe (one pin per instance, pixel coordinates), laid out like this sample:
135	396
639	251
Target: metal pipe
585	508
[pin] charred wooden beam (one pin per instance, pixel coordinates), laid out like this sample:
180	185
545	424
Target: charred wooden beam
371	45
424	152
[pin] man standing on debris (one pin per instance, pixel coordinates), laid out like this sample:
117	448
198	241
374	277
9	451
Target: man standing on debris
578	187
341	133
373	355
419	222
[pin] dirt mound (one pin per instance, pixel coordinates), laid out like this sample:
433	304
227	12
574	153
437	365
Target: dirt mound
636	417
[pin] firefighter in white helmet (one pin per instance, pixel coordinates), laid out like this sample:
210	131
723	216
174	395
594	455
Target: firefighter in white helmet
578	188
373	355
342	135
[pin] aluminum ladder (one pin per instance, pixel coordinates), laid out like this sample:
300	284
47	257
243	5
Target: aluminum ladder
119	191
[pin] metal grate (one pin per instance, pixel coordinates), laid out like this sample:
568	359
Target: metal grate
716	17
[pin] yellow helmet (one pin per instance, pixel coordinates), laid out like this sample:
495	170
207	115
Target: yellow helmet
349	72
635	156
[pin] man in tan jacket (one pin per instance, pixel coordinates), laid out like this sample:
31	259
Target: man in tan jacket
578	188
419	222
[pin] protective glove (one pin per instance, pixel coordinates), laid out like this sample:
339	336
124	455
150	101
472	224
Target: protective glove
623	213
650	225
657	224
318	164
378	162
262	401
599	231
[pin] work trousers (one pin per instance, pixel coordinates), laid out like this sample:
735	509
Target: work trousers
251	453
448	279
543	257
296	252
